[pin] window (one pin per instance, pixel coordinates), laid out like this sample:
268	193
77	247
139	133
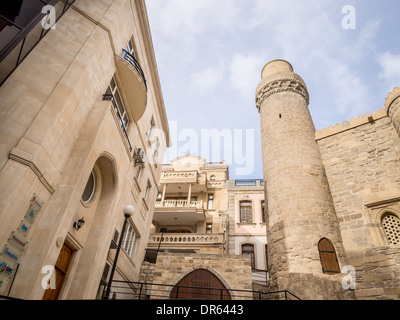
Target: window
391	226
210	204
90	188
151	127
327	254
213	178
263	216
245	212
130	48
146	193
266	258
130	241
248	249
156	147
209	228
118	105
138	173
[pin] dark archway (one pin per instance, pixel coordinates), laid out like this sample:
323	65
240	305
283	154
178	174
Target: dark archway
200	284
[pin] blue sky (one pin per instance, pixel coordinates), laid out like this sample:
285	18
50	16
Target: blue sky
210	54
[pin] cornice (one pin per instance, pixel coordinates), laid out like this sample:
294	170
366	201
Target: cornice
288	83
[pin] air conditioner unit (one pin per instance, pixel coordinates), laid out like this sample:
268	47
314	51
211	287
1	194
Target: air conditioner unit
138	156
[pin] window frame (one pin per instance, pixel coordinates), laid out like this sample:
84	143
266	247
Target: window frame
210	201
388	239
130	241
252	253
245	218
113	89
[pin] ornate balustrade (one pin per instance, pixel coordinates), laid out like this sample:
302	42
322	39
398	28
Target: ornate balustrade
189	238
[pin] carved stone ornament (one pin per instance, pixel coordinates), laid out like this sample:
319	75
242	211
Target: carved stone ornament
281	85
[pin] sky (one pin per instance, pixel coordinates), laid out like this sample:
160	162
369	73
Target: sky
210	54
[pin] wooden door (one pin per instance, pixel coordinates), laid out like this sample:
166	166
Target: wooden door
61	269
200	284
327	254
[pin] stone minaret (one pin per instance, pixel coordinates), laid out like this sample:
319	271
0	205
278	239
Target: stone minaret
393	108
300	205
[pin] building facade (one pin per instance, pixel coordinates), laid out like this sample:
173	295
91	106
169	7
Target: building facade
333	196
208	231
247	226
83	126
191	207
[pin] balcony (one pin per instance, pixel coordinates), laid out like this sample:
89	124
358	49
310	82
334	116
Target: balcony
133	83
179	212
171	239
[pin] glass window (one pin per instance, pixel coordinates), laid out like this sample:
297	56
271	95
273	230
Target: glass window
148	187
130	241
245	212
90	188
248	249
210	204
119	105
263	215
151	126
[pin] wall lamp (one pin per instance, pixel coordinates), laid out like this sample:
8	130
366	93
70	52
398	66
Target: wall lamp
79	224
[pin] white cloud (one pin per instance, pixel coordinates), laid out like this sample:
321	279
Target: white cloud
245	73
390	64
207	80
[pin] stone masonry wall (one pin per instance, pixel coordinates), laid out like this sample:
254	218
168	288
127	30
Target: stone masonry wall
362	161
363	169
233	271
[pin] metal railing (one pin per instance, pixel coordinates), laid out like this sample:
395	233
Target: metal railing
125	290
134	63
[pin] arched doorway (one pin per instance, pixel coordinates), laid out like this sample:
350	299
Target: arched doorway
200	284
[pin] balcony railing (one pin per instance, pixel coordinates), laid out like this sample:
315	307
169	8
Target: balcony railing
215	164
179	204
190	238
134	63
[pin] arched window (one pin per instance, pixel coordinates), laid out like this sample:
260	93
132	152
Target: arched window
327	254
248	249
391	226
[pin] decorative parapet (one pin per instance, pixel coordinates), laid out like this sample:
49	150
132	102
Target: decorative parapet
393	108
287	84
353	123
179	204
179	176
392	96
189	238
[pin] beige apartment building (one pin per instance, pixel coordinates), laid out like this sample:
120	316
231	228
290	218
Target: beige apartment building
82	128
191	207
